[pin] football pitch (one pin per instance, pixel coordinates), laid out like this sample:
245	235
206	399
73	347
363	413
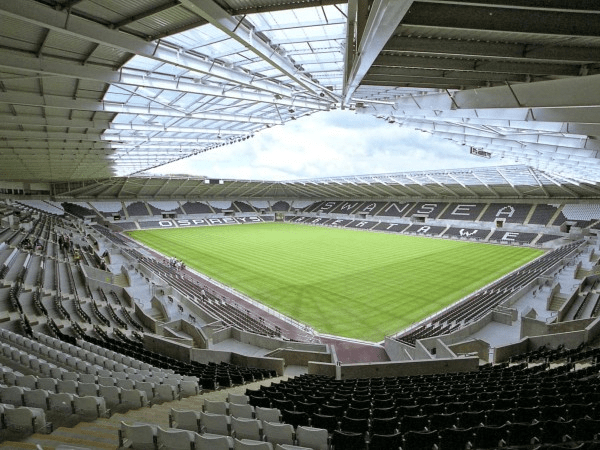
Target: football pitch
356	284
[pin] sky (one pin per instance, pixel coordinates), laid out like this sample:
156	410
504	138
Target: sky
328	144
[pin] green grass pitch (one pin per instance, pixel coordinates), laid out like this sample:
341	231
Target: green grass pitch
350	283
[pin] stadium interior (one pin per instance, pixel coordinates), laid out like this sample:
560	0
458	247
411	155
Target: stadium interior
108	344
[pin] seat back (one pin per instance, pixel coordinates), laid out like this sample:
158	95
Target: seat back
245	428
61	402
209	441
278	433
267	414
184	420
241	410
239	399
250	444
214	423
174	439
137	436
36	398
315	438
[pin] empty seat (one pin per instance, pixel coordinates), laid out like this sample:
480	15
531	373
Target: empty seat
386	441
12	395
250	444
240	399
137	436
36	398
315	438
241	410
342	440
171	439
295	418
246	428
420	440
214	423
188	388
133	398
61	402
110	394
267	414
26	420
491	436
26	381
278	433
89	406
85	389
184	420
67	386
208	441
164	393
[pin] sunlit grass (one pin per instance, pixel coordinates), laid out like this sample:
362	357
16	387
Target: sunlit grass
345	282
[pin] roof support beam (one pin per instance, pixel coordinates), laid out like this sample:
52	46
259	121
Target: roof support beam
240	32
457	15
491	50
387	64
168	5
49	101
384	18
72	25
567	92
54	66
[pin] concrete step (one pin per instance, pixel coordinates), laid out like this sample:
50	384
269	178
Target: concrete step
50	441
103	437
17	445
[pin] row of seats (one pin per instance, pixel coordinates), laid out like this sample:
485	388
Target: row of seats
151	437
66	403
24	419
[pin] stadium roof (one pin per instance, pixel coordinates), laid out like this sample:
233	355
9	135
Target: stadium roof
91	89
487	183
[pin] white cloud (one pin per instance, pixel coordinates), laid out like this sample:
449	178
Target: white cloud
336	143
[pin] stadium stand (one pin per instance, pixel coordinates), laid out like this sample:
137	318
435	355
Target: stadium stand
80	352
280	206
196	208
395	209
430	210
244	207
136	209
511	213
463	211
512	236
160	208
464	233
542	214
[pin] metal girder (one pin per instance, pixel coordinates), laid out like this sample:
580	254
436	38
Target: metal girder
387	62
52	101
150	12
491	17
240	32
453	118
72	25
537	141
394	76
491	50
562	93
169	129
53	66
384	18
54	122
